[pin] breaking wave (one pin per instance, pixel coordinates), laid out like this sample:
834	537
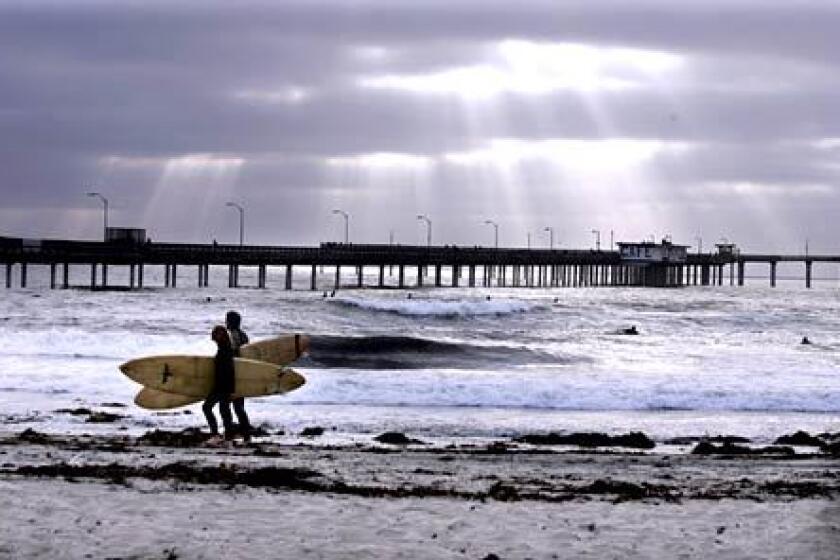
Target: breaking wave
439	308
404	352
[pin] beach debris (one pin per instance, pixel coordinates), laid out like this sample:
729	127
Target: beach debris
798	489
496	448
74	411
93	416
503	492
188	437
31	436
832	448
637	440
312	431
271	477
688	440
102	417
799	438
261	431
708	448
625	491
396	438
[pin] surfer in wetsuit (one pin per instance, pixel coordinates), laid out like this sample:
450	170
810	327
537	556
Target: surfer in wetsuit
223	386
238	338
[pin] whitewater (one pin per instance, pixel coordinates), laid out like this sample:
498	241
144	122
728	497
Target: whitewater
448	363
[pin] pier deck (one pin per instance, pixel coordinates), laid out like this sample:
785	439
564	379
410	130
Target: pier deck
513	267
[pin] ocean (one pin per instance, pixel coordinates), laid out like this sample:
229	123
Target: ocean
452	364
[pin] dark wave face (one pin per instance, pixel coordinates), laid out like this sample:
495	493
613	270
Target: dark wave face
404	352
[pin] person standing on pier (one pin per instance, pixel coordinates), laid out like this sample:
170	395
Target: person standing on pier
238	338
224	384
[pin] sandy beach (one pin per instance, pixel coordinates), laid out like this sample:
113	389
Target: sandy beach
167	495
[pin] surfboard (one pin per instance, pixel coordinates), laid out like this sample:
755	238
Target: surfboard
193	376
279	350
152	399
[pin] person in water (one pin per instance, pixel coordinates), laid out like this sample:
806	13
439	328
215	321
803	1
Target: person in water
223	384
238	338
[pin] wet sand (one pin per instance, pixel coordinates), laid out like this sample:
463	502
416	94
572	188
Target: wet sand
170	496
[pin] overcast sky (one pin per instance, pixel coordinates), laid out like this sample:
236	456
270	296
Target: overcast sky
717	119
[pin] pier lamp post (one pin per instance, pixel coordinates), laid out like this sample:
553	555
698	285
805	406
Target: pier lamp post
428	228
346	217
105	213
529	240
597	239
550	231
699	244
495	231
241	221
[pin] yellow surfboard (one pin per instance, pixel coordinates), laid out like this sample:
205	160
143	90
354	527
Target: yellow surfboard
192	376
280	350
152	399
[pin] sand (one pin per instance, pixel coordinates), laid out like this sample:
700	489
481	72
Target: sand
110	497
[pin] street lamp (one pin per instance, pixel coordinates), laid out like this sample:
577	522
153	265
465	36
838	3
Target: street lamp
241	221
529	240
346	224
550	231
496	232
105	208
612	240
428	228
597	239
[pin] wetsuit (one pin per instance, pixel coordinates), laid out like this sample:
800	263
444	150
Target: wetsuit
224	386
238	338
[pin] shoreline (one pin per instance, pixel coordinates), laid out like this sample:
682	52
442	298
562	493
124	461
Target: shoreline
348	425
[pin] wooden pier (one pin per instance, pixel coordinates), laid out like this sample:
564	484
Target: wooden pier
437	266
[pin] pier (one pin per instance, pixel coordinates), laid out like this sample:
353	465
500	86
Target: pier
438	266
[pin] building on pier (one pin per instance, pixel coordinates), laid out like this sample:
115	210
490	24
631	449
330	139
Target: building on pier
124	235
648	252
727	250
657	265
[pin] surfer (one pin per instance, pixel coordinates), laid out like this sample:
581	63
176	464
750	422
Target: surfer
233	322
223	385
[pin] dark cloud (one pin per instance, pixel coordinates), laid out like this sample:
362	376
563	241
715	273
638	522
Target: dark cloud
96	93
